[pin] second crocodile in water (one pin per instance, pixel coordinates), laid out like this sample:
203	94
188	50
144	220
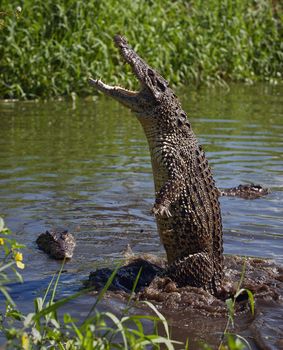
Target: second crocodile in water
186	207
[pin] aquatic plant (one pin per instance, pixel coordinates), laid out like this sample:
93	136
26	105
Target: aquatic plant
10	262
56	45
99	330
236	341
43	328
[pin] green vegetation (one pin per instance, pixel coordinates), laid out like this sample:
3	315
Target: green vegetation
11	260
44	329
236	341
54	46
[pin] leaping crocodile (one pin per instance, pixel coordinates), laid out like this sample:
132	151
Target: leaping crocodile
186	207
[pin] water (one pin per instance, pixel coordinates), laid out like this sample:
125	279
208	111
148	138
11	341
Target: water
86	167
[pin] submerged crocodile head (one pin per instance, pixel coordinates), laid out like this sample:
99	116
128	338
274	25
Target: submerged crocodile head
154	88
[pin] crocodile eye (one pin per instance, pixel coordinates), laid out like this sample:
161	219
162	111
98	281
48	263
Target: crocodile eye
161	86
151	76
150	73
183	115
155	81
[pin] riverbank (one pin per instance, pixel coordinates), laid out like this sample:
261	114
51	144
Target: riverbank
53	47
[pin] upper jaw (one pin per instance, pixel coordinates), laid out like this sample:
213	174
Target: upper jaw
138	65
152	84
135	62
150	80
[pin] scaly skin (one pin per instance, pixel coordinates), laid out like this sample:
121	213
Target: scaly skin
249	191
186	207
58	244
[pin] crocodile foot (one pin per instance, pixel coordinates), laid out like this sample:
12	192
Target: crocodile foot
161	210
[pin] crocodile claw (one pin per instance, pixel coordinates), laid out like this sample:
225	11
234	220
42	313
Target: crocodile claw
160	210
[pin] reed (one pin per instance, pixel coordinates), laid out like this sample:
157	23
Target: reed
53	47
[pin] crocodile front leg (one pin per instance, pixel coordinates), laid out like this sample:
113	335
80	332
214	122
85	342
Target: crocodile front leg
171	190
168	194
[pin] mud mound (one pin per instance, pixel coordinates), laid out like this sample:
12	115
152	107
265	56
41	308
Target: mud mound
262	277
195	313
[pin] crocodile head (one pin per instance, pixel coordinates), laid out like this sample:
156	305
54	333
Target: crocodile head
153	85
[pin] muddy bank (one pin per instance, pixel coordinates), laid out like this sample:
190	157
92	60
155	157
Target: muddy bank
193	311
263	277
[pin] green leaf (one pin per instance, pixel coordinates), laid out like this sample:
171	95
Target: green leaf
56	305
250	296
38	304
18	275
4	267
160	316
102	292
231	311
237	342
68	318
120	327
13	313
7	295
57	281
28	320
2	224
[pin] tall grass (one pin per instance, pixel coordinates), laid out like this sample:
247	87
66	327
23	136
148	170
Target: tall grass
55	45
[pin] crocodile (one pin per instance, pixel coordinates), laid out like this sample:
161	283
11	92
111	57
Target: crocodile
186	207
248	191
59	244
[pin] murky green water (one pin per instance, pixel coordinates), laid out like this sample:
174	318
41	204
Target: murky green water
86	167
